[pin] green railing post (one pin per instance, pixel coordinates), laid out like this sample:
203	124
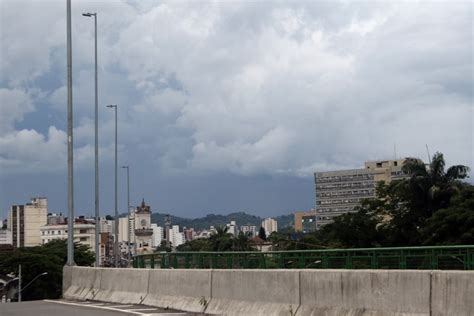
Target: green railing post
152	261
403	260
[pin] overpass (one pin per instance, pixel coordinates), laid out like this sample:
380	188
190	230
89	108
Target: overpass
279	291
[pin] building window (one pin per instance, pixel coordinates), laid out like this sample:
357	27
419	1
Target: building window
395	163
82	231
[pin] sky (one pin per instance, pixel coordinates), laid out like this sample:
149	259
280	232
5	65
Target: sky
228	106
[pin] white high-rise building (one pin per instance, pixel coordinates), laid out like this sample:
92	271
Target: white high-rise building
5	237
249	229
124	229
158	234
232	228
176	238
270	225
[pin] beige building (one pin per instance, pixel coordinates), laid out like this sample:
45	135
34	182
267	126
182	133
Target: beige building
339	192
24	222
84	233
270	225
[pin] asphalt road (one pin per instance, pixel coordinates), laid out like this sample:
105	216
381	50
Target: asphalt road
66	308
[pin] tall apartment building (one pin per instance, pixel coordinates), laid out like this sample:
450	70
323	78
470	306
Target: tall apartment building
339	192
24	222
270	225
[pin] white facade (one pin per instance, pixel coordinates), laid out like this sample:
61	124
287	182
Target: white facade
158	234
249	229
106	226
176	238
5	237
270	225
83	233
124	229
232	228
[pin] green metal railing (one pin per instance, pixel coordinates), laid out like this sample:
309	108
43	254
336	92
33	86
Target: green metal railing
439	257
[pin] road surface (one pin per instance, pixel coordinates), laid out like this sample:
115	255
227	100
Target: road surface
75	308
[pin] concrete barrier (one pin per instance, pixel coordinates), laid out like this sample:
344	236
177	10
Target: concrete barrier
453	293
126	286
280	292
364	292
254	292
188	290
84	282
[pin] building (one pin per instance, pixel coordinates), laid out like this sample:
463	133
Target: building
189	234
24	222
5	237
84	232
143	230
158	235
232	228
305	220
270	225
176	237
106	225
124	229
249	230
55	219
339	192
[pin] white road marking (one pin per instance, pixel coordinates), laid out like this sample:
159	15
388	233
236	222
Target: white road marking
142	309
98	307
119	306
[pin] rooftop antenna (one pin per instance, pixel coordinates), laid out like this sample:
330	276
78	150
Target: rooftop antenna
429	156
395	150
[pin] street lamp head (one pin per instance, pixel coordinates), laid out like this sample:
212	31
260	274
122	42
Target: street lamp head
111	105
88	14
44	273
125	167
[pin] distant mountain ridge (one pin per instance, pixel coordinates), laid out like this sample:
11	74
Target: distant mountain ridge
241	218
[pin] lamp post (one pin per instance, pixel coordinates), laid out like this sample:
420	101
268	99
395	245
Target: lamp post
70	169
116	249
97	231
128	208
20	289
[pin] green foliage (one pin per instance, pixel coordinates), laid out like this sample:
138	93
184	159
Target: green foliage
49	258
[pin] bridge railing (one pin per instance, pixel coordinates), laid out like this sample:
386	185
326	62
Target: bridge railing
437	257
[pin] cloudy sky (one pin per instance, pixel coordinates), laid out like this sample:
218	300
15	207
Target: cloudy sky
228	106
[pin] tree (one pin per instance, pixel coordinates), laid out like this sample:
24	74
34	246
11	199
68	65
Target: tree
262	234
49	258
431	187
242	242
454	224
220	239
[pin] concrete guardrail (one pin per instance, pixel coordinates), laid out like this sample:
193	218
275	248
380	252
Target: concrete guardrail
280	292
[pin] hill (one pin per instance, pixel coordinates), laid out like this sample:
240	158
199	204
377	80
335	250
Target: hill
241	218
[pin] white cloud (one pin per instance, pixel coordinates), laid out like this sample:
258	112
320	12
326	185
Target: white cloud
262	87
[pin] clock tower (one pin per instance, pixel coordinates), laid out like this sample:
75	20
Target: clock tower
143	230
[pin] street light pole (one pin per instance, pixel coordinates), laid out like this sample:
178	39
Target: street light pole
97	219
20	289
70	169
128	208
116	249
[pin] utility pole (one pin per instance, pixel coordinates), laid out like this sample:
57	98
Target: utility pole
70	165
19	283
128	212
96	154
116	248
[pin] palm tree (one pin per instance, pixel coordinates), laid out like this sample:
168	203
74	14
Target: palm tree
220	239
431	186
